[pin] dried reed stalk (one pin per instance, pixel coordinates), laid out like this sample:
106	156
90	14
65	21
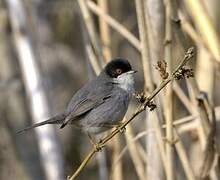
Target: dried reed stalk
91	30
51	157
148	78
205	26
168	103
183	157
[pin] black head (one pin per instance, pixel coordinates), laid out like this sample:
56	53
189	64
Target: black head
117	67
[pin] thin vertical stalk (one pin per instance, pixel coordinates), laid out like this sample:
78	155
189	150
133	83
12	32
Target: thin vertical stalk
144	45
48	145
135	155
13	107
205	64
92	58
104	31
168	103
148	77
205	26
205	61
91	29
183	158
117	174
154	20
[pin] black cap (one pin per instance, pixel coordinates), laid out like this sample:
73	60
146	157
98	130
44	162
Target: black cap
117	67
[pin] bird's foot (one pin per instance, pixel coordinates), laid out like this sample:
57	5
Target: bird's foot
98	147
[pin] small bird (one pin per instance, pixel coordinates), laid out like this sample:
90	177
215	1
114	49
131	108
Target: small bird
101	103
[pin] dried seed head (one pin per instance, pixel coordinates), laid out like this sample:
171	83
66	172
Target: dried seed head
161	66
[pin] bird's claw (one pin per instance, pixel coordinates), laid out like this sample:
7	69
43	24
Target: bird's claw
98	147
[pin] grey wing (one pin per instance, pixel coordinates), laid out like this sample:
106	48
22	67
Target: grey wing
108	114
86	99
88	104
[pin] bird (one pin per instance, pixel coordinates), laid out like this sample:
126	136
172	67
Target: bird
101	103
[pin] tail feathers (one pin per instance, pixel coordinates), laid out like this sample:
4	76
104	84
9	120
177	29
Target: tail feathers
65	122
58	119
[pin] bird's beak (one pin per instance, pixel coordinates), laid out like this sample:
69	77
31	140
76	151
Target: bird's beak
132	72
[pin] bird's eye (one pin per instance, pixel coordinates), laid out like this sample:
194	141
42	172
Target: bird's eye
118	71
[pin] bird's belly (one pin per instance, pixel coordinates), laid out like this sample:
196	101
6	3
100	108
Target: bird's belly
105	116
95	130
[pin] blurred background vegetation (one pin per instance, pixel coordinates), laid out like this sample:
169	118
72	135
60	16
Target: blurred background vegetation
49	49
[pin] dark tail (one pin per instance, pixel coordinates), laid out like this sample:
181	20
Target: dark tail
65	122
58	119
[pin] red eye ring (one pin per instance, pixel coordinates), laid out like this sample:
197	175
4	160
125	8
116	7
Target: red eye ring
118	71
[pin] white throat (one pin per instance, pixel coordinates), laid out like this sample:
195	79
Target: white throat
126	82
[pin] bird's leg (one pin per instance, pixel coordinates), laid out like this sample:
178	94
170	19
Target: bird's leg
92	141
97	146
